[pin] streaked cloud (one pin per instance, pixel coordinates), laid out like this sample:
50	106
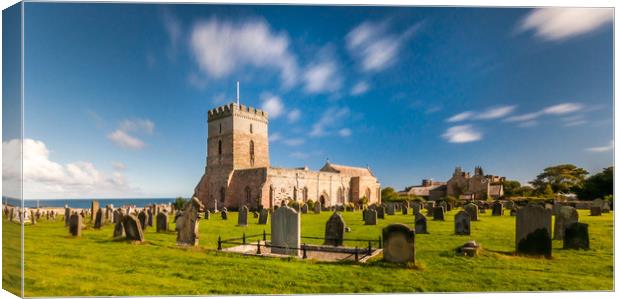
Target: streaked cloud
559	23
119	165
124	140
328	121
559	109
322	77
124	135
359	88
294	141
487	114
462	134
345	132
294	115
602	149
272	105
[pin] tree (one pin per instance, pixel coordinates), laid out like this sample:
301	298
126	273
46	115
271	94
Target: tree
511	188
598	185
562	178
179	203
388	194
548	193
526	191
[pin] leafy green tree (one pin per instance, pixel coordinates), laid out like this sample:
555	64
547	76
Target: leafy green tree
548	192
388	194
525	191
179	203
562	178
511	188
598	185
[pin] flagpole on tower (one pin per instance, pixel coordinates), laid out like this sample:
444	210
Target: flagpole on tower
237	93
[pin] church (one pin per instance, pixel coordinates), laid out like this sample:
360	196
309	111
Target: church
238	171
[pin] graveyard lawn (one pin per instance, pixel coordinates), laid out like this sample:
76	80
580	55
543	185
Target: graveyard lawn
57	264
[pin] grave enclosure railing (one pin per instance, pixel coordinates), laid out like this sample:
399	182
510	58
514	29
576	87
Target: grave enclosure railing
245	240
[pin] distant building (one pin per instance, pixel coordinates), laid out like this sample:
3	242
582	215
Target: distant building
461	186
238	171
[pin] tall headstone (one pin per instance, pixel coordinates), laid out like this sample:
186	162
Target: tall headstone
334	230
566	215
438	213
242	220
416	207
498	208
75	224
398	243
389	209
207	214
472	210
263	216
370	217
133	228
381	212
94	206
420	224
533	231
33	217
576	236
462	225
317	207
187	224
304	209
430	205
143	217
67	215
285	231
605	208
405	210
99	219
119	229
149	217
162	222
224	215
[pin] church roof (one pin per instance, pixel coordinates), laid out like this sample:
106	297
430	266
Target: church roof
346	170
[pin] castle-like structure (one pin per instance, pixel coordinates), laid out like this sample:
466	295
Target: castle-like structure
238	171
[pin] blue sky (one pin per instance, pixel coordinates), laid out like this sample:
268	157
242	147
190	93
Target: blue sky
116	95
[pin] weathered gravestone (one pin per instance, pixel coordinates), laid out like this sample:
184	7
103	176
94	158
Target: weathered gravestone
224	215
595	211
498	209
370	217
389	209
462	225
334	230
405	210
381	212
509	204
448	206
605	208
117	215
133	228
162	222
187	224
242	220
533	231
94	206
98	219
263	216
472	210
416	207
398	243
143	218
566	216
207	214
429	208
254	214
304	209
33	219
444	205
67	215
438	213
576	236
75	224
149	215
420	224
597	203
285	231
119	229
317	207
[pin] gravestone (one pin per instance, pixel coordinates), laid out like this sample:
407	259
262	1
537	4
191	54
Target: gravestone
207	214
595	211
334	230
429	208
119	230
370	217
67	215
224	215
405	210
576	236
149	215
162	222
187	223
513	211
438	213
242	220
285	231
133	228
462	223
117	216
444	205
254	214
566	216
420	224
33	218
416	207
263	216
98	219
317	207
597	203
94	206
498	209
381	212
533	231
75	225
389	209
509	204
448	206
304	209
605	208
472	210
142	216
398	243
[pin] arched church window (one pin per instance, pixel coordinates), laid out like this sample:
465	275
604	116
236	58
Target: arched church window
219	147
220	128
252	152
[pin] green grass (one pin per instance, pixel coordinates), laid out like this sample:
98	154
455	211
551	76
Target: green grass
95	265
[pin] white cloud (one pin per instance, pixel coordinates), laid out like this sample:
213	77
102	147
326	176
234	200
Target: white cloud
275	137
559	109
328	120
602	149
359	88
119	165
272	105
294	115
44	178
221	47
345	132
461	116
462	134
124	140
375	46
299	155
322	77
294	141
489	113
173	29
558	23
137	125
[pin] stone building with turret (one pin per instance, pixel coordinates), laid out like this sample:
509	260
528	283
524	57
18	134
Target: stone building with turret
238	171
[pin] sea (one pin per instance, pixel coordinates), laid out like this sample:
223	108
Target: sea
86	203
